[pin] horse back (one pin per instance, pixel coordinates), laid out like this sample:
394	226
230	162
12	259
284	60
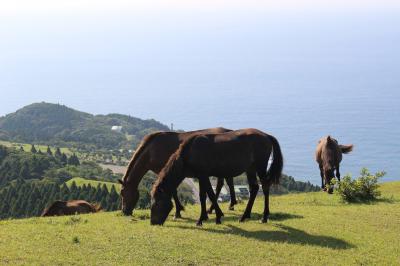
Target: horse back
328	152
228	154
164	144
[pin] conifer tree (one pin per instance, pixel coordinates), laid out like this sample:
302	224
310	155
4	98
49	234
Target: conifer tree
63	159
49	152
58	153
33	149
73	160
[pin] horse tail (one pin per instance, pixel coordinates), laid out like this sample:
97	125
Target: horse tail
346	148
275	171
143	144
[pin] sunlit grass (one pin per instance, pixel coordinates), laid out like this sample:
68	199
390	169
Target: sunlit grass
305	229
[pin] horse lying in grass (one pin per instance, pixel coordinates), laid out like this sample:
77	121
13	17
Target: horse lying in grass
222	155
59	208
328	156
152	154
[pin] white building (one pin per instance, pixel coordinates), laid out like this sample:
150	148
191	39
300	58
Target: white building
116	128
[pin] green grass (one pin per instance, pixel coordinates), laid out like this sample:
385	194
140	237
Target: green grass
305	229
79	181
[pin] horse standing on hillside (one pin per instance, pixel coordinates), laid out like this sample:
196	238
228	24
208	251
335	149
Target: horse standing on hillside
328	156
59	208
152	155
222	155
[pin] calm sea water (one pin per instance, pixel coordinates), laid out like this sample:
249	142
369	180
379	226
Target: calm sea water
299	76
298	110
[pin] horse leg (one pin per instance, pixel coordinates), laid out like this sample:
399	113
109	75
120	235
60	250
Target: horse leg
213	199
265	187
203	198
321	172
178	205
253	185
338	173
220	184
229	182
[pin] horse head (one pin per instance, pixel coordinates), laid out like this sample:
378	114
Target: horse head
129	197
160	207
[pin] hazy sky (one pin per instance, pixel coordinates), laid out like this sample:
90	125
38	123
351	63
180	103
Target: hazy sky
104	56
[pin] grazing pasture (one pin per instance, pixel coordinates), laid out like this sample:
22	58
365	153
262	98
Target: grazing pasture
304	229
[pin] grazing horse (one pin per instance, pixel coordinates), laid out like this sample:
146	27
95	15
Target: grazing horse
152	155
59	208
328	156
222	155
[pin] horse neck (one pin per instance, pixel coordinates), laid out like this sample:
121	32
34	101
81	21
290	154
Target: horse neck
137	172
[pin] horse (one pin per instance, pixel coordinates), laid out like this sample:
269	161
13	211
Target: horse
222	155
328	156
152	154
59	208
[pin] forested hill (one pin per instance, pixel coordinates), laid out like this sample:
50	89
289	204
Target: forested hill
61	125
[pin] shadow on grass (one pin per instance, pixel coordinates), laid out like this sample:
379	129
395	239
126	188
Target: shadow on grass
389	200
286	234
276	216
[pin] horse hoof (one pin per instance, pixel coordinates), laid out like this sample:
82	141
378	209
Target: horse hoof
199	223
231	208
218	221
263	221
177	216
205	218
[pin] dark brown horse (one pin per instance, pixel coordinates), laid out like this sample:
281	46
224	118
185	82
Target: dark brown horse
59	208
328	156
152	155
222	155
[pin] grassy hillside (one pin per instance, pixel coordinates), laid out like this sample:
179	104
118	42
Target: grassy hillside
313	228
60	125
79	181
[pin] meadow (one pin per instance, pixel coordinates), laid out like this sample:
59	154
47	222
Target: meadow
304	229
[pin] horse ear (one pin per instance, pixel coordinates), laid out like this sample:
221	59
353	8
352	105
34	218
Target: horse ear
329	138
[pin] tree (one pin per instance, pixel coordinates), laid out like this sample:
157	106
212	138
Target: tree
49	152
58	153
24	173
74	160
33	149
63	159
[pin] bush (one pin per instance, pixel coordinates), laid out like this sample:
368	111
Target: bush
362	189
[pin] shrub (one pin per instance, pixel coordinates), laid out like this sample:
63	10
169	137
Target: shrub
362	189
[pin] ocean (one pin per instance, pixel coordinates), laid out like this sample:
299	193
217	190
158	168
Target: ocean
298	114
296	75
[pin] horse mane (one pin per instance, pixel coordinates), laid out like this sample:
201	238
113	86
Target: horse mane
168	179
143	144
